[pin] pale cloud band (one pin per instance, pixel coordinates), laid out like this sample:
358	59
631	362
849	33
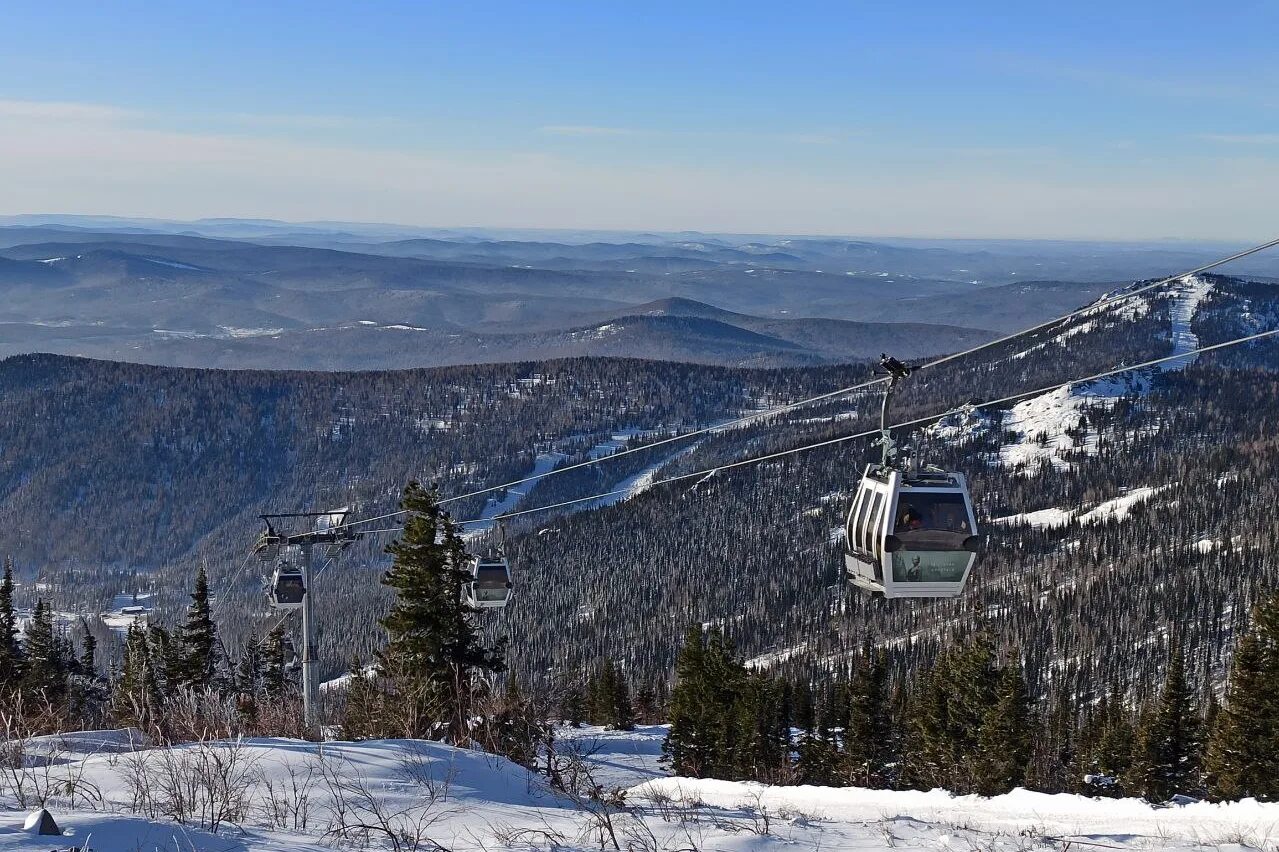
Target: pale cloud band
89	158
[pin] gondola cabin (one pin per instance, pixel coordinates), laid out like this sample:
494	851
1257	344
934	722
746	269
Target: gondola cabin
288	587
490	584
911	536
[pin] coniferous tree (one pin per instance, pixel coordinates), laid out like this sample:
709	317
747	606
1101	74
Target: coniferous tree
274	679
46	669
10	649
1168	743
135	693
868	734
88	660
167	660
1003	746
622	717
1112	755
199	638
362	708
693	745
1243	752
817	754
572	706
433	657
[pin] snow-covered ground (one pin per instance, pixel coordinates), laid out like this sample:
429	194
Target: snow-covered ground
294	795
1116	509
1190	292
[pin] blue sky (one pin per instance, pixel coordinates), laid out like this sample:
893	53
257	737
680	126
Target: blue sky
1120	120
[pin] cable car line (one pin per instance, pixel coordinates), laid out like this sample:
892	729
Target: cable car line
872	432
1105	303
485	571
760	415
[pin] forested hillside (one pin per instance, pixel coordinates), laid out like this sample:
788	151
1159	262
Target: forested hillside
1114	511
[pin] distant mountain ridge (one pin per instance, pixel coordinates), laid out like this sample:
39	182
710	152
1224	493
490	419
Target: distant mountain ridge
262	294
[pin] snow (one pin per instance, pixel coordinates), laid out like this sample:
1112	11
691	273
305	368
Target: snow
1042	423
542	465
468	801
1120	507
172	263
773	658
236	333
1116	509
1190	292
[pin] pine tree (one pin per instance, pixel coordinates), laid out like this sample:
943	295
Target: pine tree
1168	742
88	661
622	717
362	710
602	694
868	736
199	638
433	657
135	694
167	660
46	669
817	754
1243	753
693	745
572	706
1112	760
274	680
1003	746
11	667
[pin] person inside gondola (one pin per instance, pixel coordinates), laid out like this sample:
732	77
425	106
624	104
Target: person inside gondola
908	519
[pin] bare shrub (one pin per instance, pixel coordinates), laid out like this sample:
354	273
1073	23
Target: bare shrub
359	815
207	784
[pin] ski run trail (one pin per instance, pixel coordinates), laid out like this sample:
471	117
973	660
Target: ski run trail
295	795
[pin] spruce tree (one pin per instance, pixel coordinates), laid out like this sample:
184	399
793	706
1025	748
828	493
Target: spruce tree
622	717
46	669
10	649
1003	746
433	657
88	661
199	638
692	747
868	745
135	694
274	679
1168	742
572	706
362	709
1243	753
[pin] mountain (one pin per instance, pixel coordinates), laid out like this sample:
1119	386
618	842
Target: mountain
120	478
191	301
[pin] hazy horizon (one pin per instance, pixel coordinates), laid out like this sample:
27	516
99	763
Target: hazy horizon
986	121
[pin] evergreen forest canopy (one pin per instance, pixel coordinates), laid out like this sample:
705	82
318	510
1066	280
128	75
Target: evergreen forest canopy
1070	636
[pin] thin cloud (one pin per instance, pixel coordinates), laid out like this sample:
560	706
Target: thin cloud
1242	138
585	130
63	111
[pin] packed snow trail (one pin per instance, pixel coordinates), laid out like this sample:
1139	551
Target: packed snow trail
1186	300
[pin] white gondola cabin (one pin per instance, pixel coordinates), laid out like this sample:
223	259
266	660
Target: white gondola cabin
490	583
288	587
911	536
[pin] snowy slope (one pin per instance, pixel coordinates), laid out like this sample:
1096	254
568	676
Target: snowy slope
297	795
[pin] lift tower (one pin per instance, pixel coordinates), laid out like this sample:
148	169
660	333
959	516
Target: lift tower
327	538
